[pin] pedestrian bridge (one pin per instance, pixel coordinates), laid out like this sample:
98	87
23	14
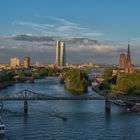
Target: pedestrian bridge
31	95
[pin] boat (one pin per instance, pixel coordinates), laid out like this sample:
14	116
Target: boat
119	102
2	126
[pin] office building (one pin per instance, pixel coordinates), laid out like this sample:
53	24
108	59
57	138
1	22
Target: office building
60	59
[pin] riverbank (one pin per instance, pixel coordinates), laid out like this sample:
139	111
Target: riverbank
76	91
133	103
101	92
6	84
10	83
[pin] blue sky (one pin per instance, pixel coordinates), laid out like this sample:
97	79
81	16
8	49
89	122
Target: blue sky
115	20
112	22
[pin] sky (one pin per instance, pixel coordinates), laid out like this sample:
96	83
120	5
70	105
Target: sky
104	20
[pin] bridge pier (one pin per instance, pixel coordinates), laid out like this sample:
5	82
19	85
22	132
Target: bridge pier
107	105
25	107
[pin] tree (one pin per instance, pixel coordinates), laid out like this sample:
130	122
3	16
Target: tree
76	80
10	74
108	72
6	75
43	72
125	85
21	74
128	82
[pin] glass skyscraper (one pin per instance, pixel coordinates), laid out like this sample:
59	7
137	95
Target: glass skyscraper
60	59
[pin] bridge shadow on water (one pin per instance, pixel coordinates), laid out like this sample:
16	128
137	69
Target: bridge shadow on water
12	113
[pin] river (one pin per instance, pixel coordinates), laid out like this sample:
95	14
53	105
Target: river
86	120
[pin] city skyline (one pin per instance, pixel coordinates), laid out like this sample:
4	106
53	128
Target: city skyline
97	34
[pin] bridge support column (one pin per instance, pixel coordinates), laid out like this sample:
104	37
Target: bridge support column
107	105
25	107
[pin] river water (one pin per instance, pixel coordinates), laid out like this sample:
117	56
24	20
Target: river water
86	120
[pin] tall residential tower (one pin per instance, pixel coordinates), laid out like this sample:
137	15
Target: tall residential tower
60	59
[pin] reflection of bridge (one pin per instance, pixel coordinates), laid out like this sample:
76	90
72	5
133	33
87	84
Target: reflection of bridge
30	95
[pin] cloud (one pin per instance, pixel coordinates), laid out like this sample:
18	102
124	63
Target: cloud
69	28
104	49
73	28
54	26
97	34
135	41
66	25
61	20
42	26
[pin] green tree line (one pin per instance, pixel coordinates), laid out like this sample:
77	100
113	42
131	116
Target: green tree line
6	75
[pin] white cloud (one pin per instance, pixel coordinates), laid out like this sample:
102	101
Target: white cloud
66	25
64	21
95	49
58	27
63	28
69	28
31	24
97	34
42	28
135	41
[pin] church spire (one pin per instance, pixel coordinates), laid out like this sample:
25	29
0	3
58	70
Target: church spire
128	55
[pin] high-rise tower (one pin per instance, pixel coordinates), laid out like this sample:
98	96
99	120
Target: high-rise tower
60	59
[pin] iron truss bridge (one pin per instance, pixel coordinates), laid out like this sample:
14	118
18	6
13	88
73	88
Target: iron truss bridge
31	95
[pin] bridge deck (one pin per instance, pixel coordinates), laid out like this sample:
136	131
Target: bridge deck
56	98
30	95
